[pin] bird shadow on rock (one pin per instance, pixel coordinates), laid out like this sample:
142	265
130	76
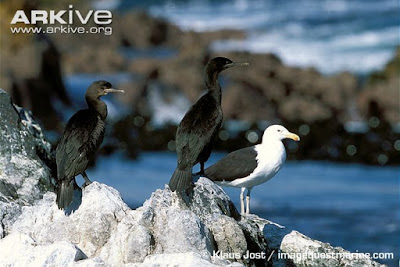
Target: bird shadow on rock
76	201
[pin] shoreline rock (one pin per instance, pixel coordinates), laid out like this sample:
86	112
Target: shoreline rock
165	230
26	167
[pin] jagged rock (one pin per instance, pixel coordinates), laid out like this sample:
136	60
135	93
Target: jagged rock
382	90
25	157
9	212
167	230
105	227
24	152
22	250
297	243
189	259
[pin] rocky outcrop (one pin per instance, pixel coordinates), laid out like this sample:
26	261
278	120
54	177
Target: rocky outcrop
380	97
25	161
105	227
292	248
201	230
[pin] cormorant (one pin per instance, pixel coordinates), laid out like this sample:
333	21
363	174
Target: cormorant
80	140
251	166
198	128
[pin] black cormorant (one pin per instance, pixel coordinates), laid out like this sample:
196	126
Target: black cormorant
198	128
80	140
251	166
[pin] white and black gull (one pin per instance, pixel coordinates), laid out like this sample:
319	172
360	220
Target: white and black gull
251	166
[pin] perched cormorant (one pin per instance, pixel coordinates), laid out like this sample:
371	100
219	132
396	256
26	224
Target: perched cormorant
80	140
251	166
198	128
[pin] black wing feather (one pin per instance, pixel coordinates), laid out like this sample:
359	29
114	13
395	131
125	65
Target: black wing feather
80	140
237	164
197	129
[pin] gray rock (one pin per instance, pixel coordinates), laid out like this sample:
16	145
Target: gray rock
292	246
296	243
106	228
201	230
9	212
25	157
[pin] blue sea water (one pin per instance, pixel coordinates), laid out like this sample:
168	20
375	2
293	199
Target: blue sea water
348	205
331	35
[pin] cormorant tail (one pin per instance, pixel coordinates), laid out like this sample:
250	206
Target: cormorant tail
181	180
65	194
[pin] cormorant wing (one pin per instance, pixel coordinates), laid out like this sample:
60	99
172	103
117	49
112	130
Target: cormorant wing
197	128
237	164
81	137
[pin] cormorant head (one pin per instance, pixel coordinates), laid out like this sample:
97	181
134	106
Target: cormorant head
101	88
218	64
278	132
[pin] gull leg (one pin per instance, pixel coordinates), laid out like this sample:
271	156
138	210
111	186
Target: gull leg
242	200
248	201
87	181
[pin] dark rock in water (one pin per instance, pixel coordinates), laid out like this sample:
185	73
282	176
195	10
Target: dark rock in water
380	95
26	162
36	89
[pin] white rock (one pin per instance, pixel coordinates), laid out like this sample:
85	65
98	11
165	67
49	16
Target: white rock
165	231
24	158
296	243
188	259
9	212
89	227
93	262
19	249
131	242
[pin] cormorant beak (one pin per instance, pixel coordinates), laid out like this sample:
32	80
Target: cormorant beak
292	136
234	64
112	90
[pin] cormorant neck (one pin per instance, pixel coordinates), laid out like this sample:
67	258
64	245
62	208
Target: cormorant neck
212	85
211	79
97	106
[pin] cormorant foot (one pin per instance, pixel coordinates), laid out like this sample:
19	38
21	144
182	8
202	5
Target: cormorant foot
200	173
86	184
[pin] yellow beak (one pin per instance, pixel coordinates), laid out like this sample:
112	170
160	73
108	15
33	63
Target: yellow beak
293	136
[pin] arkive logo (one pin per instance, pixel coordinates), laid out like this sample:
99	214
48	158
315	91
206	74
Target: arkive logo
67	20
100	17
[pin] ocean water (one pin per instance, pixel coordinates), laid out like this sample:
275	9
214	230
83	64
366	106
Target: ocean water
348	205
331	35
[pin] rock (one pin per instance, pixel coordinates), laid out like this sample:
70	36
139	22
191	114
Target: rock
199	230
56	254
9	212
25	162
382	90
105	227
103	59
297	243
189	259
25	155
